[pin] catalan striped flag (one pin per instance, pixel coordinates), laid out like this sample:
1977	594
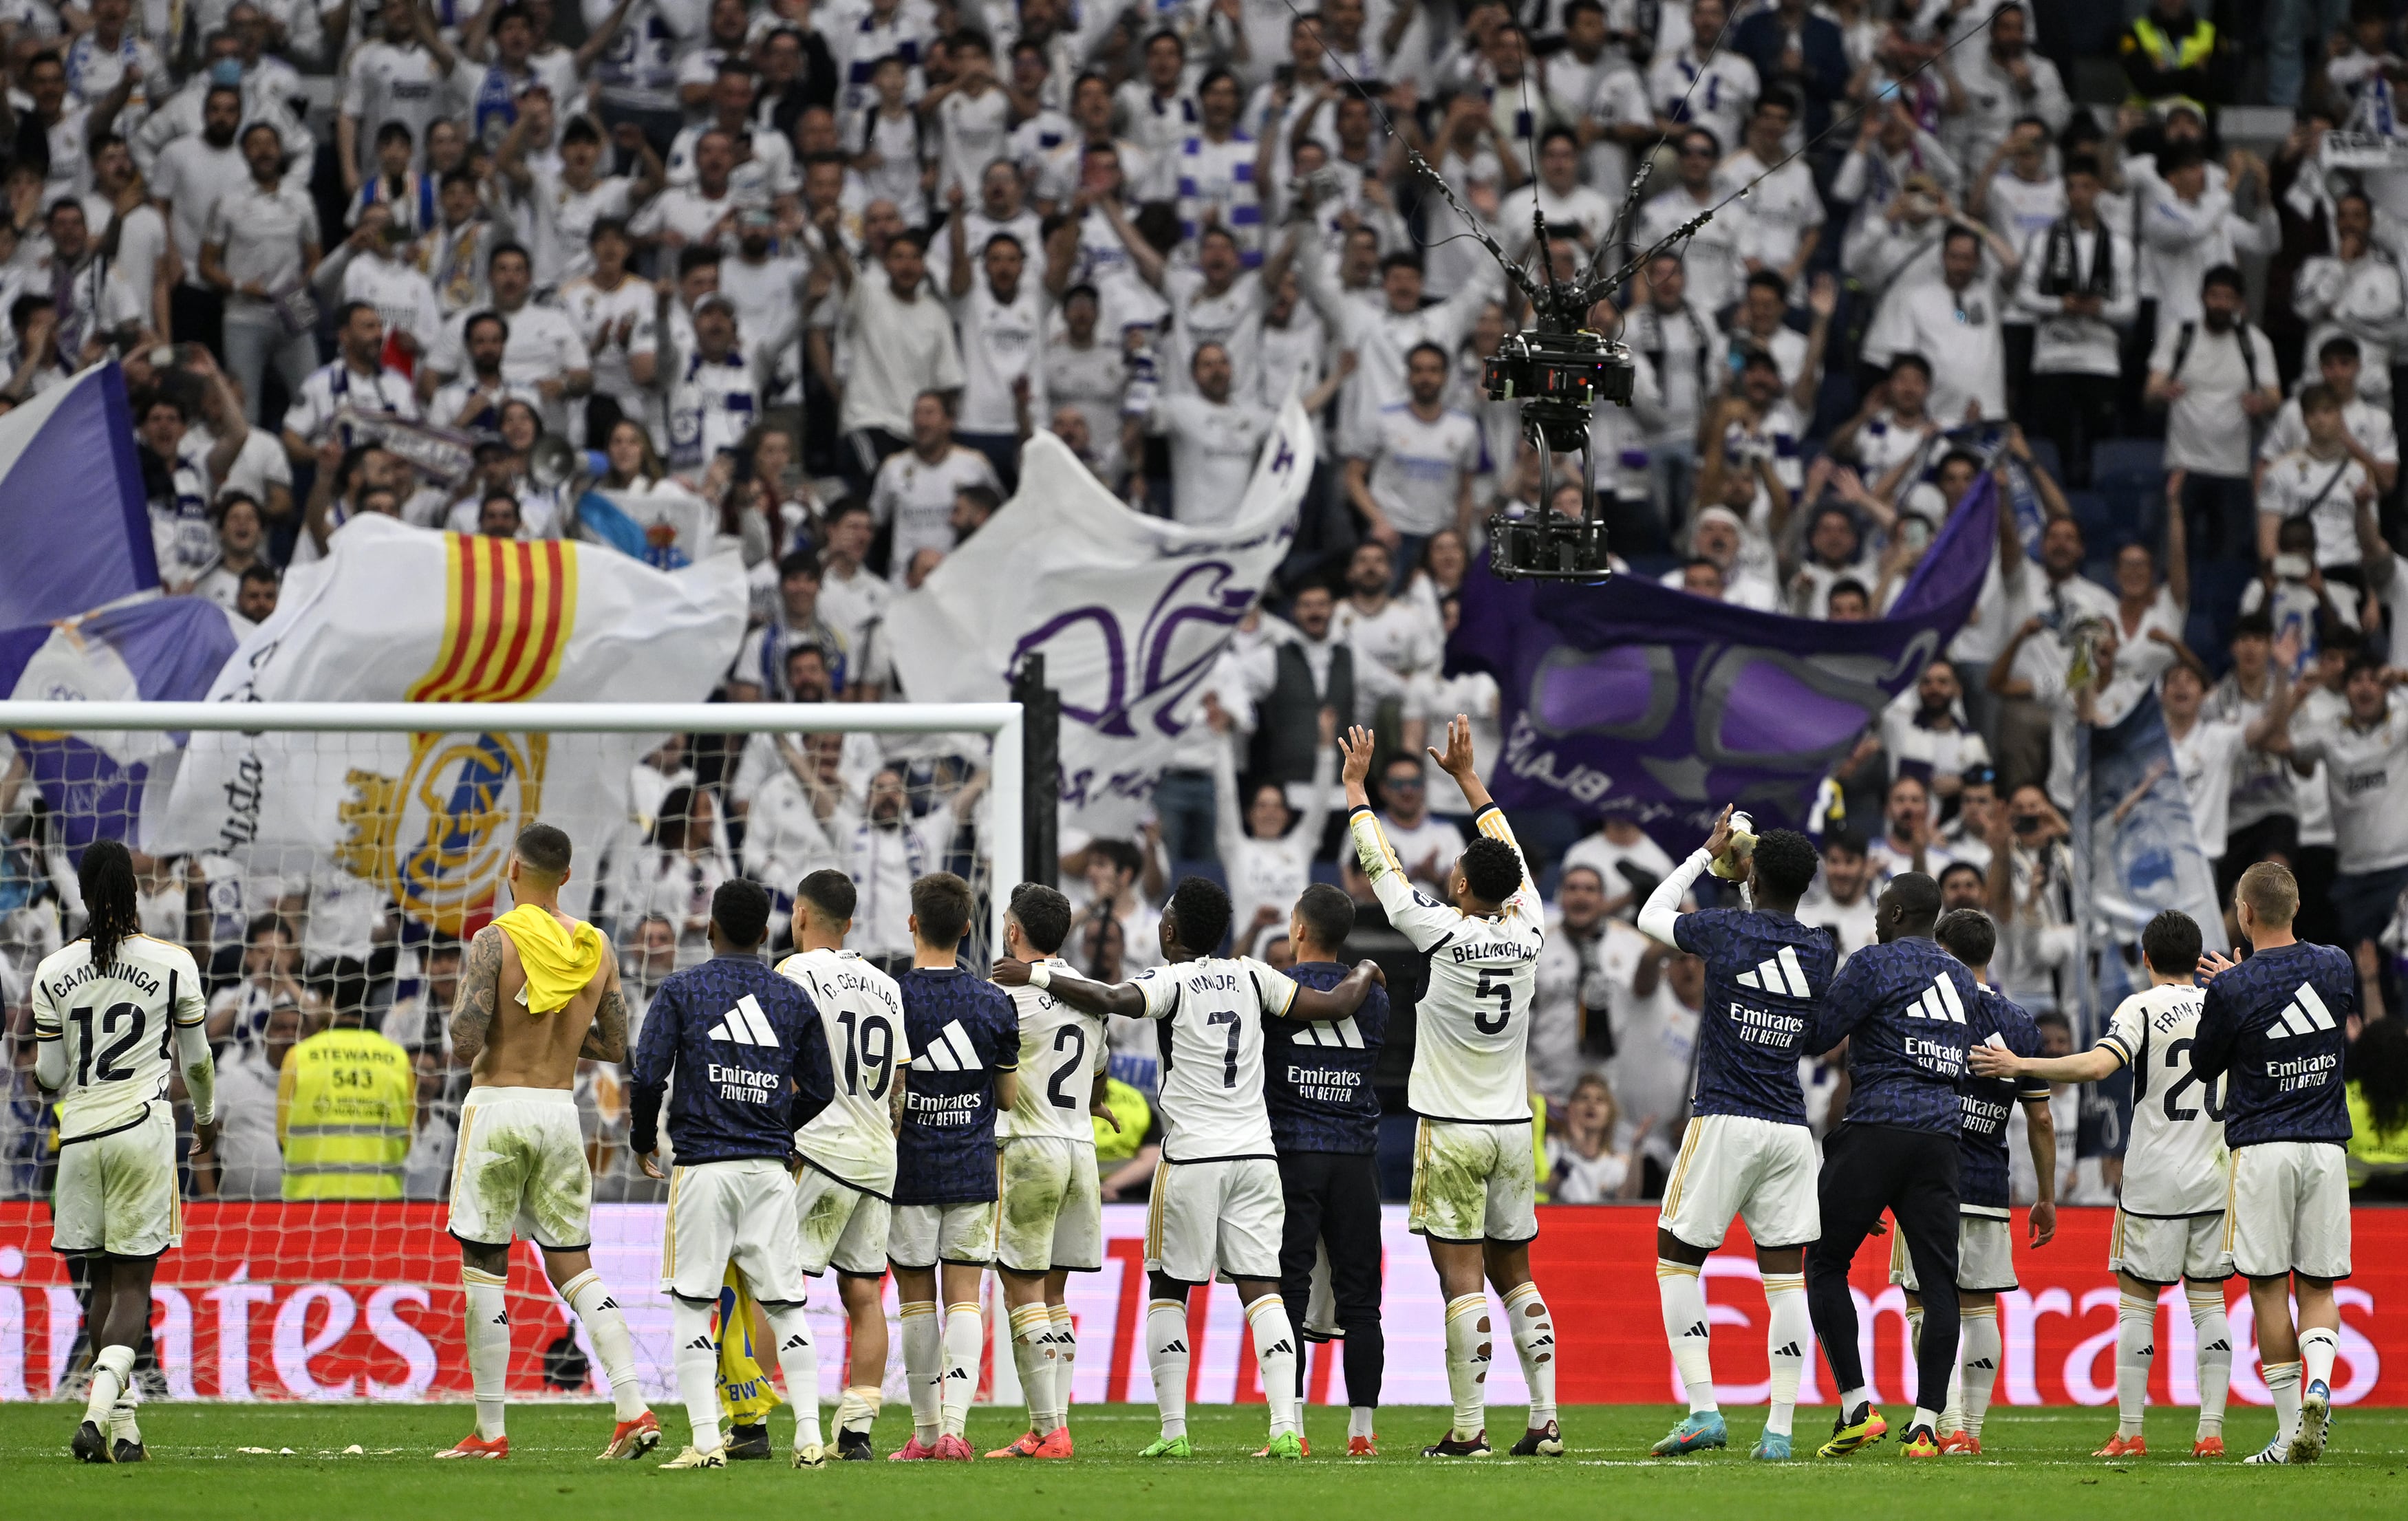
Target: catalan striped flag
509	608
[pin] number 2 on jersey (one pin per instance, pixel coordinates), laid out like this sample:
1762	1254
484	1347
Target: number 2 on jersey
1075	1038
861	1051
2177	1060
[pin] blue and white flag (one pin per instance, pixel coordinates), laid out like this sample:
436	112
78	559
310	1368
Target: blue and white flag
72	511
162	650
2134	834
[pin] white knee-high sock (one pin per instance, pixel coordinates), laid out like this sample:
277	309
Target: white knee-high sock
924	1368
799	1359
2283	1390
2136	1348
964	1332
1032	1355
2212	1330
1467	1347
1534	1343
1979	1348
1789	1341
1165	1357
698	1372
606	1327
122	1426
112	1370
1066	1361
1275	1359
2317	1349
488	1330
1686	1330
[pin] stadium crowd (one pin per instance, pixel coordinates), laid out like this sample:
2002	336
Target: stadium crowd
804	278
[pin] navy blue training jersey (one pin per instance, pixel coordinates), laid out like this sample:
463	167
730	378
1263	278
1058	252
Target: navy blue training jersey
962	1031
1989	1102
1317	1073
2272	1028
1765	975
744	1045
1904	1009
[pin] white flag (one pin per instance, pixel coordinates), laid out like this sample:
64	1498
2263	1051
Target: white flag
1129	612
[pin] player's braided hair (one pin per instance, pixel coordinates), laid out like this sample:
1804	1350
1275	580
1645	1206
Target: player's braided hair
1491	869
107	879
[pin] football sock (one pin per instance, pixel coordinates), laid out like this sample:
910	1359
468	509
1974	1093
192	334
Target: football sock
1468	1348
2316	1350
1165	1357
2136	1331
1275	1358
1924	1416
1789	1341
1978	1366
697	1372
1952	1414
2212	1330
121	1423
607	1328
489	1347
965	1333
2283	1390
1686	1330
799	1359
1851	1398
1534	1343
1065	1358
112	1370
1360	1419
857	1408
1032	1358
924	1368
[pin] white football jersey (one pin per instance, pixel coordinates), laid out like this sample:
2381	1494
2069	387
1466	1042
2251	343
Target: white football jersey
861	1010
1471	1029
1060	1051
1212	1013
2175	1161
118	1023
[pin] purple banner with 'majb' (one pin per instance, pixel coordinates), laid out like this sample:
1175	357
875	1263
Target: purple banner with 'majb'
1634	698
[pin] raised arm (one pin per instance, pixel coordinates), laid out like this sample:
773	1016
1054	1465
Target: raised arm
472	1008
1660	915
1415	917
1458	763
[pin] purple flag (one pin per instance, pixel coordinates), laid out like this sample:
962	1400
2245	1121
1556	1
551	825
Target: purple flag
1634	698
71	504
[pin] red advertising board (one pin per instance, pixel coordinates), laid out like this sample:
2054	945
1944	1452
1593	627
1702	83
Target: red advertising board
363	1301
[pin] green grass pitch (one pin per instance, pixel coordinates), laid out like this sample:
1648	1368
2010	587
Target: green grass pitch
2037	1465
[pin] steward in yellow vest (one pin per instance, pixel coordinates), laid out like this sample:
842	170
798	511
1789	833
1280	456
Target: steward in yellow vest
345	1101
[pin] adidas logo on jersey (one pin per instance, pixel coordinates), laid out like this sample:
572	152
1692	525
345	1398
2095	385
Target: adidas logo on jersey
1343	1034
951	1050
1781	974
2304	1014
1939	1001
746	1025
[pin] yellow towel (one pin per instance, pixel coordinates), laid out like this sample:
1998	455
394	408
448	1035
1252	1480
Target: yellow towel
558	964
745	1392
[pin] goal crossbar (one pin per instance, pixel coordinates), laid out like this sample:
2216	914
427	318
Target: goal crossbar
1001	720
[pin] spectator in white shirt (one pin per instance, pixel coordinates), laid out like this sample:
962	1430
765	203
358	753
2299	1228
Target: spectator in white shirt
901	342
1955	324
1002	316
1910	838
2190	226
2207	753
2080	286
1213	435
2216	377
2323	482
2338	362
1412	476
915	488
259	249
355	380
2356	289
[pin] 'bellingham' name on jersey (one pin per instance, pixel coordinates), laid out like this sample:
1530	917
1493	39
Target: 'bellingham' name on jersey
1989	1103
2273	1028
1766	976
963	1031
1905	1009
1317	1075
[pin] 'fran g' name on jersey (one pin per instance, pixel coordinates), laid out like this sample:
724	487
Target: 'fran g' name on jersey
2174	1163
1765	975
861	1011
1060	1051
1471	1029
118	1023
1211	1012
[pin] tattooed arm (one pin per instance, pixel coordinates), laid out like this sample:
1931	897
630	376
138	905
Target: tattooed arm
607	1041
481	981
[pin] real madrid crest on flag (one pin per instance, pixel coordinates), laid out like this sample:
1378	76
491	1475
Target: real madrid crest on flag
439	835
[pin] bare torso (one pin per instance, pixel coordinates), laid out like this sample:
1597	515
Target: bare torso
526	1050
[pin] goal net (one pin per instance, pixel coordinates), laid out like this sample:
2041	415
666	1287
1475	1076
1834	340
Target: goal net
325	864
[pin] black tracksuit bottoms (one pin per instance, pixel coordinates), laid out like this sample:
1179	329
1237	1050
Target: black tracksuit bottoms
1868	1168
1333	1200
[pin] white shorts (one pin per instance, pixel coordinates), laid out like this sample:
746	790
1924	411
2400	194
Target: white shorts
2163	1250
1985	1257
840	1226
116	1192
1474	1182
722	1212
2287	1210
520	1170
1210	1217
1052	1207
920	1236
1761	1171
